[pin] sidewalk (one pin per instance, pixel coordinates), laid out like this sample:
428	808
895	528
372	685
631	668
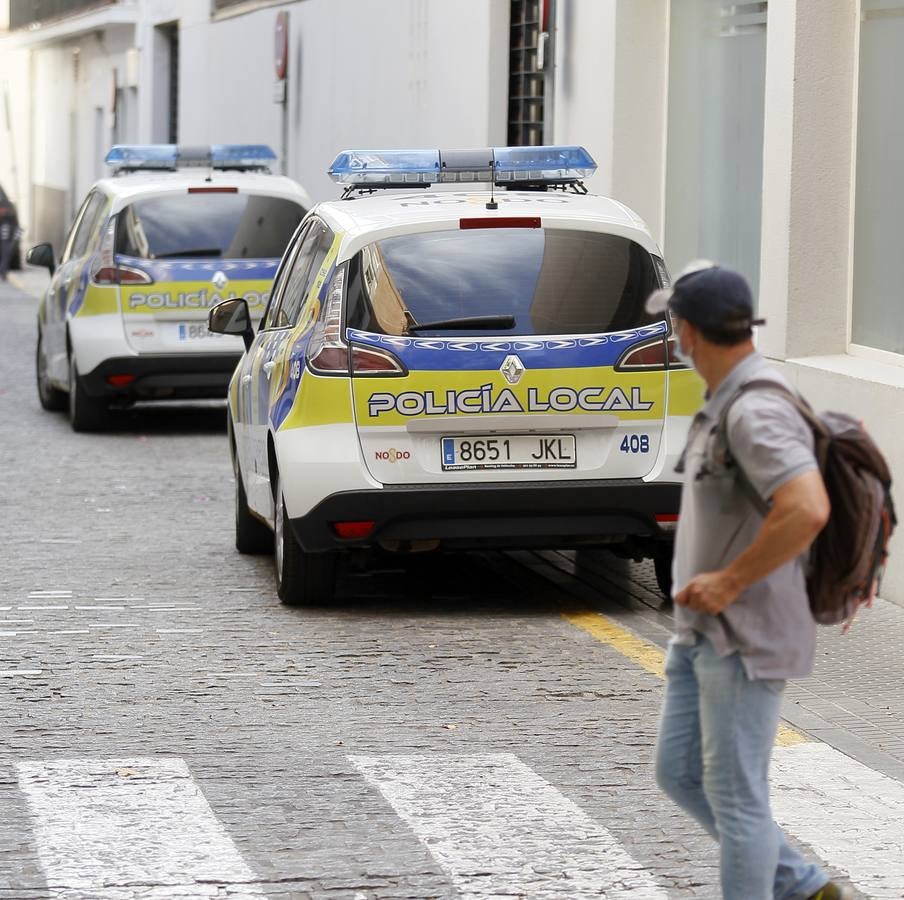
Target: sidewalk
30	280
853	701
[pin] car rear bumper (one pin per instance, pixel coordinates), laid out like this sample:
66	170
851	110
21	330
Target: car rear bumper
513	514
158	377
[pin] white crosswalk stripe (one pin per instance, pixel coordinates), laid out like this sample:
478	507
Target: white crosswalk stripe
852	816
103	826
500	830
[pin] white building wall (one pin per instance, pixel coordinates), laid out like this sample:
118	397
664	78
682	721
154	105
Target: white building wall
357	76
14	136
585	97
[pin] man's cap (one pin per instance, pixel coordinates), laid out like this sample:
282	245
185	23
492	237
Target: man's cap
713	298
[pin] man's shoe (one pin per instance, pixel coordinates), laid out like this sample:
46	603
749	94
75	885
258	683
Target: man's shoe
833	891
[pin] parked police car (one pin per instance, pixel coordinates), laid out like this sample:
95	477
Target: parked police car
171	233
443	369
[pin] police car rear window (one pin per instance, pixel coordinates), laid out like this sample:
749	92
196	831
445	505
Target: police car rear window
227	225
552	281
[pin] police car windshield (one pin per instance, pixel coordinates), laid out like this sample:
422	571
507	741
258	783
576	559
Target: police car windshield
221	225
550	281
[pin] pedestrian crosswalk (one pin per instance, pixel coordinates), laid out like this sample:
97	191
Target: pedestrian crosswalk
120	829
117	829
499	830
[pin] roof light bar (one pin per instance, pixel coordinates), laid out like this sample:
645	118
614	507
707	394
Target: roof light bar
132	157
501	165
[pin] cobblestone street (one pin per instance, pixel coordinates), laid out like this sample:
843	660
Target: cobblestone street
473	725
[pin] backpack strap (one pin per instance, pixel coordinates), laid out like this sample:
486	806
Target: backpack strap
806	413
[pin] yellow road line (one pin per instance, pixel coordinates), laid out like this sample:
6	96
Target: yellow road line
649	657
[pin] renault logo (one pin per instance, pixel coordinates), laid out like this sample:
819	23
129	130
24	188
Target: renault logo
219	281
512	369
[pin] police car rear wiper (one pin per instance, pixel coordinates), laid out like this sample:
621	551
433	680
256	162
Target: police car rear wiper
477	323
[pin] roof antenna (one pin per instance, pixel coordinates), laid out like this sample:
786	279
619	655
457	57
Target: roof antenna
492	203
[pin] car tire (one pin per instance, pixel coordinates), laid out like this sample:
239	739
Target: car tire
251	535
662	563
86	413
51	398
302	579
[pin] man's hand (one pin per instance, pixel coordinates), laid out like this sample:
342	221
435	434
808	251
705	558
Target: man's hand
800	509
709	592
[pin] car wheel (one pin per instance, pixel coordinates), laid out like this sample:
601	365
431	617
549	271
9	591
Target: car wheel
251	535
51	398
302	579
86	413
662	562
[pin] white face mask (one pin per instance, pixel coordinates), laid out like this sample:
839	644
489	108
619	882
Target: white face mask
685	357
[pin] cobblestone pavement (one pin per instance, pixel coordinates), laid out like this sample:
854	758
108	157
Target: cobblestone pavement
292	753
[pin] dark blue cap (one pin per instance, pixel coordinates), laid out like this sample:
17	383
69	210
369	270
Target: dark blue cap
715	300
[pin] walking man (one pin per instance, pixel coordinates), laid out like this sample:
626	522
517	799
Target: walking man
742	619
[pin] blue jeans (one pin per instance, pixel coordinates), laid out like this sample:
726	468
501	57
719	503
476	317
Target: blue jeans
712	758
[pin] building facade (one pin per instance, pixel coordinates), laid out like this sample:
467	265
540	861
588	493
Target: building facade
762	133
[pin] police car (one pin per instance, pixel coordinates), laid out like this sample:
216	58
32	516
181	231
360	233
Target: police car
173	231
452	368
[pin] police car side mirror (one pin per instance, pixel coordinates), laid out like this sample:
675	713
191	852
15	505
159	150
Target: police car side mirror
41	255
232	317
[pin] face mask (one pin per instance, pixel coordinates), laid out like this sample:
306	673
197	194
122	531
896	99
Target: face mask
681	353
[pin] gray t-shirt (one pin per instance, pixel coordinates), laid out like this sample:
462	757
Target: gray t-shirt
770	623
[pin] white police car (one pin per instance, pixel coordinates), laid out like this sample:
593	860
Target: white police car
447	369
171	233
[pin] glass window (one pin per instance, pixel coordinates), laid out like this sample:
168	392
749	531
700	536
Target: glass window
314	248
553	281
714	173
876	319
227	225
84	226
282	276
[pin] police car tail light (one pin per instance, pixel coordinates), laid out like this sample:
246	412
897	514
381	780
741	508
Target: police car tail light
327	353
352	530
658	354
107	270
369	361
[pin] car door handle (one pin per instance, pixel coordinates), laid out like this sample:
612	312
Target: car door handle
268	368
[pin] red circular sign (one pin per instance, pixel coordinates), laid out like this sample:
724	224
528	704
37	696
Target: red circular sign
281	47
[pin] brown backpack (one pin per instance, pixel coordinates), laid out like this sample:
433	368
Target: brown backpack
848	557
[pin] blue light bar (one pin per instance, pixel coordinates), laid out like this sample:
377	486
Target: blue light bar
241	156
504	165
376	167
131	157
552	165
142	156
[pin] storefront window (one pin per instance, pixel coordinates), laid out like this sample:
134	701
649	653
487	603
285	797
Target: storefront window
877	319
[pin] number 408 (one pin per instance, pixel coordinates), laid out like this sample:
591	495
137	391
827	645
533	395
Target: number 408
635	443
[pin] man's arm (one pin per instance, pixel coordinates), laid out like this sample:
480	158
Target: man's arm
800	510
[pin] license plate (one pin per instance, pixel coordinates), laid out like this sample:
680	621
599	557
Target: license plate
513	451
194	331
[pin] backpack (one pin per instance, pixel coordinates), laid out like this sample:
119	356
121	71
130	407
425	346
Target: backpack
848	557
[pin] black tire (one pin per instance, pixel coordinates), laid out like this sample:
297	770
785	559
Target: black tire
86	413
662	562
251	534
302	579
51	398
